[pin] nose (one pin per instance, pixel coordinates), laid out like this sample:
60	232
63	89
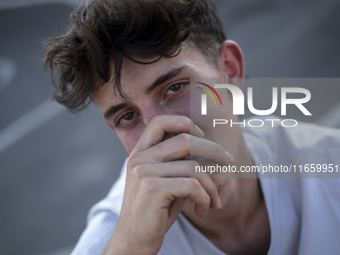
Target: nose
150	110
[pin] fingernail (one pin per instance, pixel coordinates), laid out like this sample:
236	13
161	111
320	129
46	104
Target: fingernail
229	156
219	202
199	131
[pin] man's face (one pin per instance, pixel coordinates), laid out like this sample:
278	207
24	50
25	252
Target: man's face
159	88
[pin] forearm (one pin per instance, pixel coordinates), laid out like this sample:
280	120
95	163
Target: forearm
121	244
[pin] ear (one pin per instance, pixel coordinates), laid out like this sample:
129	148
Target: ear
230	60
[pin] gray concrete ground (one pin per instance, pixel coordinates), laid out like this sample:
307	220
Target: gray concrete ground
55	165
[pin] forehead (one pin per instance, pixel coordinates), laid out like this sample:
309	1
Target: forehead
135	77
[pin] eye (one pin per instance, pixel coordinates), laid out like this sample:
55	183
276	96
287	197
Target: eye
127	116
175	88
126	119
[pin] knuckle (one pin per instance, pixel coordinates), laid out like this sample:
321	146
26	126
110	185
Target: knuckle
184	139
207	200
150	185
194	183
186	121
133	160
139	172
181	122
155	119
220	183
194	164
212	190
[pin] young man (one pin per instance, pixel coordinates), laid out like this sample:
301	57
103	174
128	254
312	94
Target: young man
135	59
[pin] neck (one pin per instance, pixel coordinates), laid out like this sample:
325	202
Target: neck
238	209
239	227
242	224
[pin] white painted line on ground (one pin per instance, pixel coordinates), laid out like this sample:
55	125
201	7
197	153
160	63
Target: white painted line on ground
28	123
8	70
63	251
331	118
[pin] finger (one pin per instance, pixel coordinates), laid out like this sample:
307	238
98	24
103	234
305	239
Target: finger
211	187
175	209
215	153
184	168
161	124
182	145
173	188
177	147
203	148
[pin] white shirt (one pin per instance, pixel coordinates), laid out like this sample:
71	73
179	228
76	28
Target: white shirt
304	213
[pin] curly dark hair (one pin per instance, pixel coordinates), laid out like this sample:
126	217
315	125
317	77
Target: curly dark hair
104	32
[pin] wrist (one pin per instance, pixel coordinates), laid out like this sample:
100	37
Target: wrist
125	244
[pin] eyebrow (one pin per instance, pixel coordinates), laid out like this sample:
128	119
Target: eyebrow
163	78
113	109
159	81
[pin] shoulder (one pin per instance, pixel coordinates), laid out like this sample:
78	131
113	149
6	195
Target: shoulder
304	143
301	205
302	135
114	199
102	220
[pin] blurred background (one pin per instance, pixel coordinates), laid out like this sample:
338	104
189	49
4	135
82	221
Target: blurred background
55	165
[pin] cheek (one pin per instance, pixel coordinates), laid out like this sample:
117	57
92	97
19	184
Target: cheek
130	139
177	107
